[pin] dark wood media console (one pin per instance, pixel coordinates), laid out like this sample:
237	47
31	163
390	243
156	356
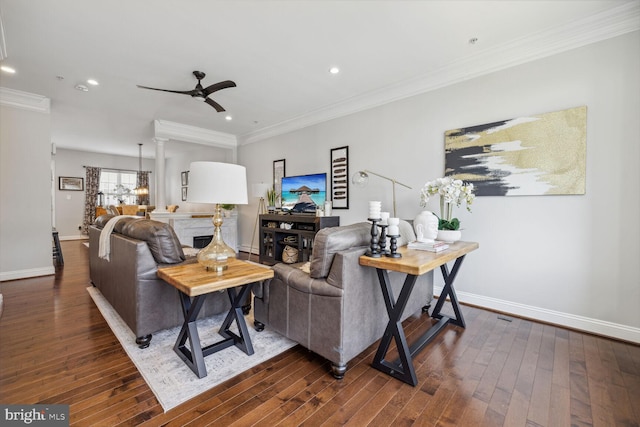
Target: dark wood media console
303	228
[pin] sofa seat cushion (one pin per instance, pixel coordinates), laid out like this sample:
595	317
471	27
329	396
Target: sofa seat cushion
330	240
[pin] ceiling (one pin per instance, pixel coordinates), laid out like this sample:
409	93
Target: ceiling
278	53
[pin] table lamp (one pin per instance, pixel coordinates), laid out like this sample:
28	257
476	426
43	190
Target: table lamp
218	183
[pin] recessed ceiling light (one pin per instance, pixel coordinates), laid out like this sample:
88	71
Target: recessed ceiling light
473	40
228	118
82	88
93	82
334	70
7	69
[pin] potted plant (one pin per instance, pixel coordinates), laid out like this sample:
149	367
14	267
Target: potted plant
272	196
452	193
227	207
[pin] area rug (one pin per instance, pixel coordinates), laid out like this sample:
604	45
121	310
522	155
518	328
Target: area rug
167	375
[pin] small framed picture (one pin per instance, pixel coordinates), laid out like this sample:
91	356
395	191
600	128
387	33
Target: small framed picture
185	178
184	194
70	183
340	177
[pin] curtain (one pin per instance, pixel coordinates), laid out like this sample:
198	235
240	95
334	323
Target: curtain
143	180
92	187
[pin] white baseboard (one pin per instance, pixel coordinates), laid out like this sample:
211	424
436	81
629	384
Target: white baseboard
587	324
24	274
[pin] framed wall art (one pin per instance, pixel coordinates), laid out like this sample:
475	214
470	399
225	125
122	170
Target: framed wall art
534	155
69	183
279	172
340	177
184	194
185	178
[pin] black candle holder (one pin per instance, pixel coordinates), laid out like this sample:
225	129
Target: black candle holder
383	239
393	247
374	248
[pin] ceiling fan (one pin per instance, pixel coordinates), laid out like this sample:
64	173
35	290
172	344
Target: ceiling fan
199	92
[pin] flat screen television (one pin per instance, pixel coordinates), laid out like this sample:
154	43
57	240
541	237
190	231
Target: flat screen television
303	188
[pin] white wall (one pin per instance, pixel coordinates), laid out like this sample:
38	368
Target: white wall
179	163
25	193
570	260
69	205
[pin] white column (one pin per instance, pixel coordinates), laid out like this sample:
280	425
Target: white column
161	200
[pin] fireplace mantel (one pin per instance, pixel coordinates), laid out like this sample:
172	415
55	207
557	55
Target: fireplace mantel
188	225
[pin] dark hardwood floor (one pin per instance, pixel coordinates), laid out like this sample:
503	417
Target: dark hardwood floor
55	347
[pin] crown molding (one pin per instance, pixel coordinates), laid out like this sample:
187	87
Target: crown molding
611	23
24	100
196	135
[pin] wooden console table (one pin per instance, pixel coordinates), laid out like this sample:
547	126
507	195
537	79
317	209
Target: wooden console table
193	280
415	263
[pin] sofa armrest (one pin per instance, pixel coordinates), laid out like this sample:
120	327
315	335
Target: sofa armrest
296	278
346	267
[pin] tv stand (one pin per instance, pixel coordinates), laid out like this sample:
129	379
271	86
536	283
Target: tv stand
274	238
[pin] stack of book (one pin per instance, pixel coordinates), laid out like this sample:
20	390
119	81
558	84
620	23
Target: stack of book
435	246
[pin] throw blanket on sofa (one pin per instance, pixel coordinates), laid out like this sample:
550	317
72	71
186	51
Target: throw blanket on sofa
104	247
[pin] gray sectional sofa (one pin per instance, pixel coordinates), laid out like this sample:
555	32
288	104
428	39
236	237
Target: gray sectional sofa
128	279
335	308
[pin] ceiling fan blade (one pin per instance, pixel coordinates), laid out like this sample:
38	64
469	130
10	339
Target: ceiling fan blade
215	105
183	92
218	86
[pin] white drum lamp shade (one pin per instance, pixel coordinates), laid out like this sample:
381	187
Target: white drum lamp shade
213	182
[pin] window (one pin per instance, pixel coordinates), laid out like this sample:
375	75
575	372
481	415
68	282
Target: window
118	187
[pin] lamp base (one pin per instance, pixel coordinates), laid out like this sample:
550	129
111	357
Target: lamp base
215	256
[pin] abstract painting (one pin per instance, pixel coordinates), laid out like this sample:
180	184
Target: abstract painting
534	155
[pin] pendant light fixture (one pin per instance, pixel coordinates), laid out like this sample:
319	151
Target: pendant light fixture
140	190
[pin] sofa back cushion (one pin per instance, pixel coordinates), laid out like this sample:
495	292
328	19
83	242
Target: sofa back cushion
160	237
102	220
330	240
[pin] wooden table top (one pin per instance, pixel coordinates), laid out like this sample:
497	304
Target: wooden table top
194	279
417	262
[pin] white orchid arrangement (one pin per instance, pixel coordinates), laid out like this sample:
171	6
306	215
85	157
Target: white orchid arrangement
452	192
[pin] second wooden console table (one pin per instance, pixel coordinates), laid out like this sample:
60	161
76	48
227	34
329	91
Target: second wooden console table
415	263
